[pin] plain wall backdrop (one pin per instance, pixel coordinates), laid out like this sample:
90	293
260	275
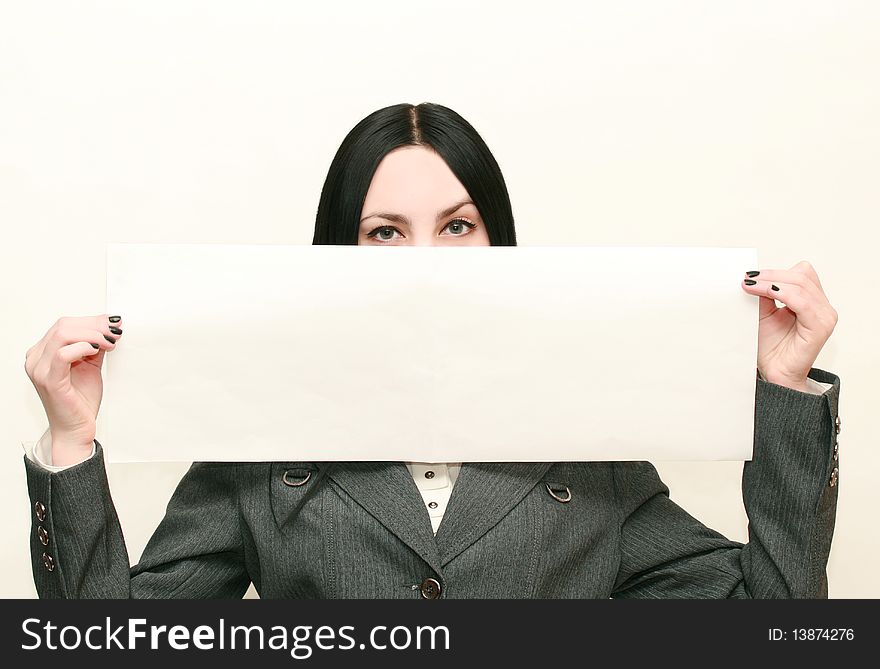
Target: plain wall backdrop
629	123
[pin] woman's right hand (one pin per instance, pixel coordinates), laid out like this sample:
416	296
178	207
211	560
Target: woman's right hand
65	368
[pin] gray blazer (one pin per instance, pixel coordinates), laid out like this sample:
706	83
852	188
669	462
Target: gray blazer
360	529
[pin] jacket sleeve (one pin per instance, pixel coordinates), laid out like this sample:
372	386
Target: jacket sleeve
78	550
790	490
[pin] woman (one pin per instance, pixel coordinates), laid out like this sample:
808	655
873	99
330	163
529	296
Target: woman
422	175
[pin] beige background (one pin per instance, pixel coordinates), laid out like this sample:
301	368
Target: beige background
649	123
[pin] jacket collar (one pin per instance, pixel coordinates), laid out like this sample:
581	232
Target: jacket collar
483	494
387	491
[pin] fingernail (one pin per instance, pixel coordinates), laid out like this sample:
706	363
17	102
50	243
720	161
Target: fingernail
749	282
753	273
115	319
110	339
96	346
774	286
115	330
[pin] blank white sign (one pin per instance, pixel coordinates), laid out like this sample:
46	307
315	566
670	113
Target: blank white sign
260	352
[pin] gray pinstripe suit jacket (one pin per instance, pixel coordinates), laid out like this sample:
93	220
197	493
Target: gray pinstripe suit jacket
360	529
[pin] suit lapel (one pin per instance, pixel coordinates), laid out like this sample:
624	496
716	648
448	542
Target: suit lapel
483	494
387	491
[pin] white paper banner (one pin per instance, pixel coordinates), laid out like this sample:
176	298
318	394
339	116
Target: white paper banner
429	354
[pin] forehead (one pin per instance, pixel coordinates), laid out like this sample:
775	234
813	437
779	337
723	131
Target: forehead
413	180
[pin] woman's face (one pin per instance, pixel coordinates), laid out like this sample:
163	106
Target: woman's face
415	199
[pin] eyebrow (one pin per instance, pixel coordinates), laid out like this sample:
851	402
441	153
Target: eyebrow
400	218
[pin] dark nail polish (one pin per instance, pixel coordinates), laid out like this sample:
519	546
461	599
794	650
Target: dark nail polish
110	339
96	346
752	274
115	330
115	319
749	282
774	286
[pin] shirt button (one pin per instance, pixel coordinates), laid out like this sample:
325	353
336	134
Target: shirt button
40	511
429	474
43	534
432	505
833	481
49	562
430	588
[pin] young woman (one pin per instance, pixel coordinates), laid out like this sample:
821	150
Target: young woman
422	175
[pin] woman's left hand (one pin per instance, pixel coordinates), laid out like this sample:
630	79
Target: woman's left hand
790	338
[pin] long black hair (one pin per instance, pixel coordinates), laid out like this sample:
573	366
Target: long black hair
426	124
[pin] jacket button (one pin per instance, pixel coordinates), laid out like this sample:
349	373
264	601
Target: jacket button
49	562
430	588
837	424
833	481
40	511
43	534
836	451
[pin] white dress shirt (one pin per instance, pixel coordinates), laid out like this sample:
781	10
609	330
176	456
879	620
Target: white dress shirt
433	479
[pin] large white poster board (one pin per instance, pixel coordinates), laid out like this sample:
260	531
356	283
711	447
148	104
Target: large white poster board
261	352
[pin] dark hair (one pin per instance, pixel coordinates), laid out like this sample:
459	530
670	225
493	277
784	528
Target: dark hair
426	124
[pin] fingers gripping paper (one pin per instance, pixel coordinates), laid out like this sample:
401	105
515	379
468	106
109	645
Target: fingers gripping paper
429	353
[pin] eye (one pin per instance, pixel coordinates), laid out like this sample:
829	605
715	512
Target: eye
460	226
384	233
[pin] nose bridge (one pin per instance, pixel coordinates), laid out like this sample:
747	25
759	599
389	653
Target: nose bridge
422	234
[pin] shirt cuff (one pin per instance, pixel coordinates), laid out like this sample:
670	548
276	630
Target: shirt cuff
817	387
813	387
41	452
